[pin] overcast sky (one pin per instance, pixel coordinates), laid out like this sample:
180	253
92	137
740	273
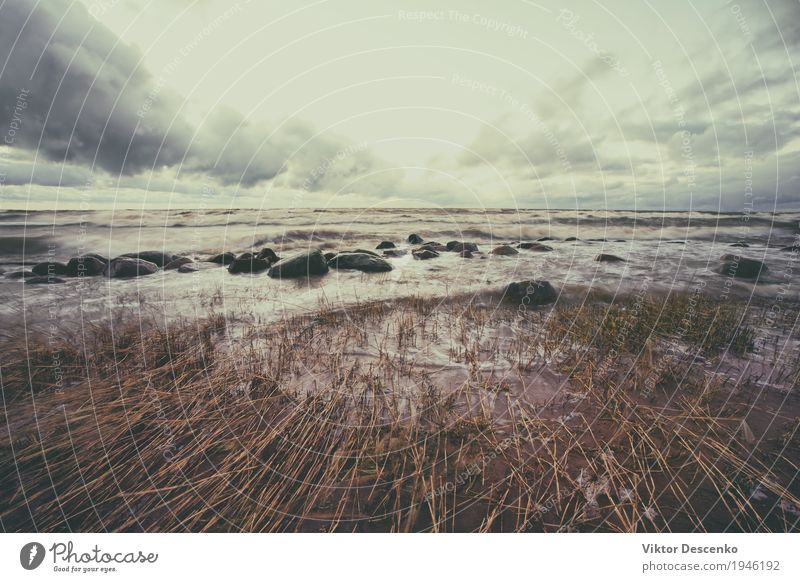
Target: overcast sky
513	103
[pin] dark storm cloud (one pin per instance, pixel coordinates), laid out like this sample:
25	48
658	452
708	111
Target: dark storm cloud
89	101
85	89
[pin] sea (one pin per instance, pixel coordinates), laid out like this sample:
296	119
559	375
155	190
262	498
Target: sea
663	252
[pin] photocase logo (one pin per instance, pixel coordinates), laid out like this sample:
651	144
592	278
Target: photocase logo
31	555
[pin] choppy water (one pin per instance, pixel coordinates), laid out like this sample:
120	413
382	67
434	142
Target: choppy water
664	250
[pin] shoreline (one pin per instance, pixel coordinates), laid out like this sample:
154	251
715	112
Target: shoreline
412	415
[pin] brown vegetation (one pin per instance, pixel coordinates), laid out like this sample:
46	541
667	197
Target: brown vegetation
649	414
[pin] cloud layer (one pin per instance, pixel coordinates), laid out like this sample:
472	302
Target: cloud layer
687	125
90	102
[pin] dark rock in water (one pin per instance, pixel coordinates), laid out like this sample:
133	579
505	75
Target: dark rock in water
179	262
505	250
415	239
49	268
363	251
394	253
741	245
572	239
604	258
159	258
465	254
425	254
329	255
598	239
534	246
360	262
126	267
20	274
222	258
94	256
385	245
248	263
302	265
48	280
188	268
740	267
531	292
620	240
85	266
545	239
100	258
269	255
434	246
458	246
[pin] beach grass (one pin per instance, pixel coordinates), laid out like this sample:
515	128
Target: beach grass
638	414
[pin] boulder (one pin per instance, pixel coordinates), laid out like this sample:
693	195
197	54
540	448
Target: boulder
740	267
741	245
572	239
268	254
188	268
414	239
126	267
85	266
545	239
395	253
46	280
248	263
360	262
222	258
363	251
534	246
505	250
425	254
605	258
302	265
49	268
177	263
20	274
465	254
434	246
458	246
329	255
385	245
531	293
96	256
159	258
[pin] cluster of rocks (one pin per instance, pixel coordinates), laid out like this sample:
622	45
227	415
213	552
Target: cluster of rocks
247	262
124	266
94	265
315	263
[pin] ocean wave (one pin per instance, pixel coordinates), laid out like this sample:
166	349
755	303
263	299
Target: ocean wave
24	245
